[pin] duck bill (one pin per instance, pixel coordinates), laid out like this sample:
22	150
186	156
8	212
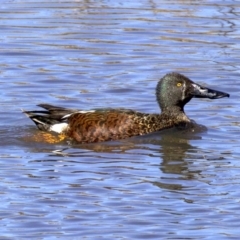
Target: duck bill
203	92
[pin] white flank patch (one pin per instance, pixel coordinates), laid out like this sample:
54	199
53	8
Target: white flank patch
88	111
59	127
68	115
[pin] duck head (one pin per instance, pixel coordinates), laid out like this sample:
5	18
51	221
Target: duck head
174	90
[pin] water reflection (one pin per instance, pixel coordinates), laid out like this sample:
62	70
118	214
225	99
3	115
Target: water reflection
171	147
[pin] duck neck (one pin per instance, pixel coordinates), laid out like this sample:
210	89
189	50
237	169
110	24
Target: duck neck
175	113
173	110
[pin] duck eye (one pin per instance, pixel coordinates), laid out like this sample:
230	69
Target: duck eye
179	84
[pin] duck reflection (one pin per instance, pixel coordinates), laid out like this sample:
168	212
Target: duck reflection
172	147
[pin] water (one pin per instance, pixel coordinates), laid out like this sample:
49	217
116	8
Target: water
89	54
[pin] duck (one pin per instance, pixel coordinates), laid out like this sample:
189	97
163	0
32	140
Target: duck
173	92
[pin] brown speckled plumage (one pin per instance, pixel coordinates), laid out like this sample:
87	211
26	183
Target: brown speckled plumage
116	124
173	92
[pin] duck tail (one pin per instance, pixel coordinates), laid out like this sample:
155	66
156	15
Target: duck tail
51	119
43	122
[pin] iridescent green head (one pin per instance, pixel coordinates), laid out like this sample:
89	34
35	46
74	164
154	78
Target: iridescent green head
174	90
